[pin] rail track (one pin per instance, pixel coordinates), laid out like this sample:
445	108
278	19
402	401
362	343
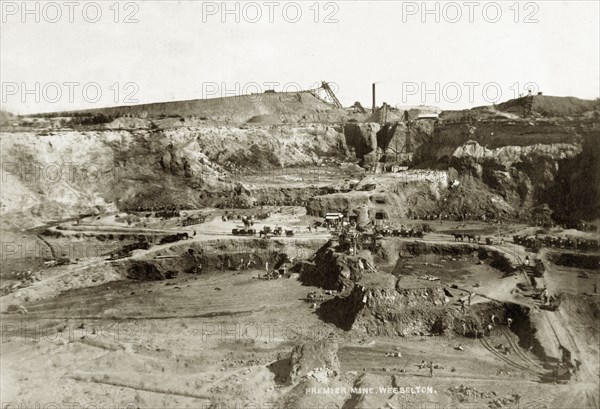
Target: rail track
519	352
504	358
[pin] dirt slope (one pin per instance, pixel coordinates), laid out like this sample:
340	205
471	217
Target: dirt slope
61	174
235	109
530	157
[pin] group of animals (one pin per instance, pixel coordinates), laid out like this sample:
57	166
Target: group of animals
403	233
470	237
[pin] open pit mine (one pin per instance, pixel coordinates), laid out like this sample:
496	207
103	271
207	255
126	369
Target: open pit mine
279	250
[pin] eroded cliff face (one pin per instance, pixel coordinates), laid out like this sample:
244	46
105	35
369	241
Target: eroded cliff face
519	174
398	140
361	141
62	173
575	195
390	198
372	142
399	311
391	310
334	269
59	173
524	162
55	176
539	152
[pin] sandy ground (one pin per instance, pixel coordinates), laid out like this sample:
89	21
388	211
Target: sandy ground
204	339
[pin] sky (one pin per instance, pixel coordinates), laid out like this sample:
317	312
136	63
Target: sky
78	55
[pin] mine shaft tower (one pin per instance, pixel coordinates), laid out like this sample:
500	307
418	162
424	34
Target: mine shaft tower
330	93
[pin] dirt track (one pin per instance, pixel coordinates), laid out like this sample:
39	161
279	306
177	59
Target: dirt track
200	339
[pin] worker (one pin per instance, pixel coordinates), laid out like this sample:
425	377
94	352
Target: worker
545	296
464	327
489	328
577	364
509	321
431	369
469	302
493	319
462	306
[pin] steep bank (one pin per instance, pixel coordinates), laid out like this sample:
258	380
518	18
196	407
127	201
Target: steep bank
533	154
395	311
59	174
217	255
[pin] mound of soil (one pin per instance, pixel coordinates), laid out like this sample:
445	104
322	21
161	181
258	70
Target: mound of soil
589	261
307	357
127	123
234	109
549	106
404	312
144	271
334	270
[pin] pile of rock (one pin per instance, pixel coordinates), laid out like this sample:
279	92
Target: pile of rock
465	393
316	359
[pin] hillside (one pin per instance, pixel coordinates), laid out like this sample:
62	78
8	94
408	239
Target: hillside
295	106
63	174
507	163
6	118
530	151
550	106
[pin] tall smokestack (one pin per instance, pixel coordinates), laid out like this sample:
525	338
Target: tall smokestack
374	106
